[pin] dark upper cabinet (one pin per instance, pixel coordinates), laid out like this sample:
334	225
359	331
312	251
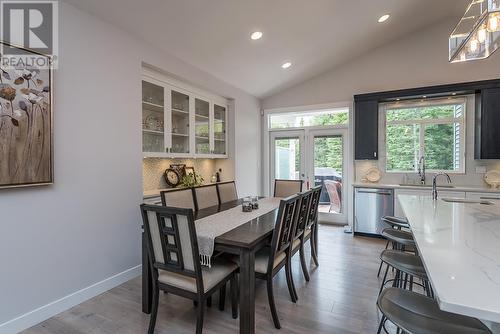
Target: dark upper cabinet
366	130
487	125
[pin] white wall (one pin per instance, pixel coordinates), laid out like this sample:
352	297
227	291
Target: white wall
59	239
420	59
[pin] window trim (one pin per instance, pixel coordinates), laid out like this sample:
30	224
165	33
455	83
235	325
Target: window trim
422	123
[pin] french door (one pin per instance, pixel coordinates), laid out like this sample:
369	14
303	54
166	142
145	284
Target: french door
318	157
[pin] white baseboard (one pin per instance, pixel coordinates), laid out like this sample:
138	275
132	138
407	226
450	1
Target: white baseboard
45	312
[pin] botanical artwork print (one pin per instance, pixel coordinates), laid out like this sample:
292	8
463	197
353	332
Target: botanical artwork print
25	126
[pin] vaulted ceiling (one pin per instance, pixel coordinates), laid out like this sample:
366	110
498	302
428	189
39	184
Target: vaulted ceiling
315	35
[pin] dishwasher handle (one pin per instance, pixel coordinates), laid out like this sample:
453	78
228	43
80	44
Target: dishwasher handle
376	192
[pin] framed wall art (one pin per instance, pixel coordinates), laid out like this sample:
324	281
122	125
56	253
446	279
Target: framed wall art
26	141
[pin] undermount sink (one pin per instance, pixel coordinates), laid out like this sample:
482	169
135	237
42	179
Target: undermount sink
424	185
467	201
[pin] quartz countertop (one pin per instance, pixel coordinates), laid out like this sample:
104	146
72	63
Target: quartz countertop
478	189
460	247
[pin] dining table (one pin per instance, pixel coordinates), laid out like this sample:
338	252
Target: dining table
244	241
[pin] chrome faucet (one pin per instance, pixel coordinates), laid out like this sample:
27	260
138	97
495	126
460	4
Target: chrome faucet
434	186
421	169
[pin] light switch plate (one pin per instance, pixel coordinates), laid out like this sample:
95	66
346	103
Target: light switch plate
480	169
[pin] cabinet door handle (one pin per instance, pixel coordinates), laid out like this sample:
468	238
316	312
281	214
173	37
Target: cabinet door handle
493	198
375	154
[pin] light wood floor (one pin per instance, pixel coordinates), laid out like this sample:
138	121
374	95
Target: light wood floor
340	298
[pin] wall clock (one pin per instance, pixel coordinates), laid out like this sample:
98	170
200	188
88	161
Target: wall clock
172	177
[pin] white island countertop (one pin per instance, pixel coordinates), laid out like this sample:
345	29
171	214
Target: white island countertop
460	247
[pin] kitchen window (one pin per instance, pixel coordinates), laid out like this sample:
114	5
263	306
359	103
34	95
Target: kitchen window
433	129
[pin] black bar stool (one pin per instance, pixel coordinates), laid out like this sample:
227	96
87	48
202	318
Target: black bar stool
401	240
396	222
415	313
408	265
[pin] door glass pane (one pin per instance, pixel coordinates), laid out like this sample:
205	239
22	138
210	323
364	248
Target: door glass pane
219	129
328	167
202	126
287	158
180	123
153	136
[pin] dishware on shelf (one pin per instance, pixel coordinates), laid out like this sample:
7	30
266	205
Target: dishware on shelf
492	178
373	175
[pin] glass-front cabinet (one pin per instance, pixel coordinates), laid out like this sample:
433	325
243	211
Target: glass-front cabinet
220	139
180	123
153	117
202	126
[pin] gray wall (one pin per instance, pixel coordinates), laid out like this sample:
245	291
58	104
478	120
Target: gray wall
58	239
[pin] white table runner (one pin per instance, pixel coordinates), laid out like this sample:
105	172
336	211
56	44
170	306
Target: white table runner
208	228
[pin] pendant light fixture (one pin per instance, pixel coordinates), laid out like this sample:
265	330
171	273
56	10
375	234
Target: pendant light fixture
477	35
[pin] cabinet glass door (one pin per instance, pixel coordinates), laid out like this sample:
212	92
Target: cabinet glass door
202	126
153	117
219	129
180	122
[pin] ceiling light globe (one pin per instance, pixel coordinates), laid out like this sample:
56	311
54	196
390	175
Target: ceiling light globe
384	18
256	35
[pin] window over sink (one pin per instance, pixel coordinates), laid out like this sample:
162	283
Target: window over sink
433	129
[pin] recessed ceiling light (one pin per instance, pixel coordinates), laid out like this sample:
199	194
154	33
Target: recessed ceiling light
256	35
384	18
286	65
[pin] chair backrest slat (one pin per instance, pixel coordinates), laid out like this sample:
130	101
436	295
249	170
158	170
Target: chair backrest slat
206	196
303	212
171	239
286	188
313	207
178	198
227	192
285	220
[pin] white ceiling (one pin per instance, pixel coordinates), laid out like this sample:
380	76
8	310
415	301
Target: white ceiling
315	35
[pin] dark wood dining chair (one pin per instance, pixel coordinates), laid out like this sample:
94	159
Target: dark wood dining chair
270	260
311	230
205	196
298	239
178	198
286	188
174	261
227	192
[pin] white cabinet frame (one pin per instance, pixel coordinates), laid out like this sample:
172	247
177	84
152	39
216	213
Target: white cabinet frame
169	85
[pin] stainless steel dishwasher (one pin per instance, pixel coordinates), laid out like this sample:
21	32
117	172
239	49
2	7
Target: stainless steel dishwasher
370	205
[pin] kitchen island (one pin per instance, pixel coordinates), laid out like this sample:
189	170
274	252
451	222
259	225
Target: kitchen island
460	246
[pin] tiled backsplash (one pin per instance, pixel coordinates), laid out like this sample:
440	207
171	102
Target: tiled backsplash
153	169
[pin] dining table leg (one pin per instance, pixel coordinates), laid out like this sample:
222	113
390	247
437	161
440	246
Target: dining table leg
247	291
147	287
